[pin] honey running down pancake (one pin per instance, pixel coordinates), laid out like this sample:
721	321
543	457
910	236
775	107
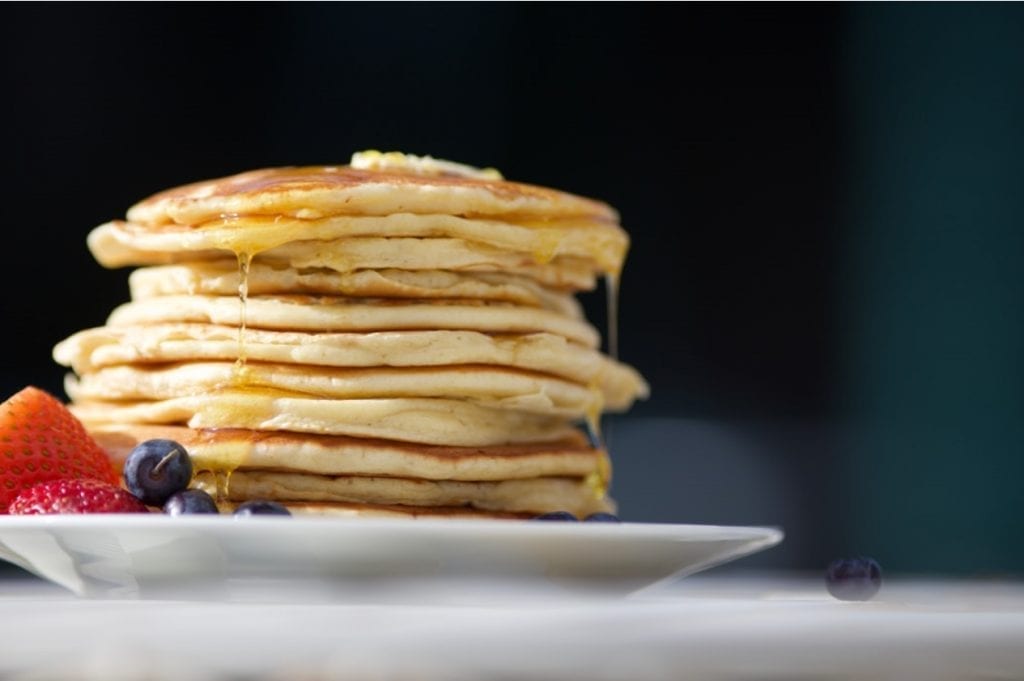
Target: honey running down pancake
398	337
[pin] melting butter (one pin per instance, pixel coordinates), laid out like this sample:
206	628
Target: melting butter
396	161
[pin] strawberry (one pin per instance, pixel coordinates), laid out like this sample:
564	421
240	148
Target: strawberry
41	440
75	496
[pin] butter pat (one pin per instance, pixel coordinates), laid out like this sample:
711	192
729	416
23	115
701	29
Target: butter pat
396	161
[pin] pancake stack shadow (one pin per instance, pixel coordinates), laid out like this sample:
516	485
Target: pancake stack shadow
394	337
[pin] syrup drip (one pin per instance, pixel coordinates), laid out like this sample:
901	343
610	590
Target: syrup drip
593	415
221	479
593	421
611	285
244	261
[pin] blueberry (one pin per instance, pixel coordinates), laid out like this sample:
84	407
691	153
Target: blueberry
156	469
556	515
853	579
602	518
261	508
190	502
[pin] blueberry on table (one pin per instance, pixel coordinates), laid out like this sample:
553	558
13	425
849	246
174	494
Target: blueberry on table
602	518
190	502
556	515
261	508
853	579
156	469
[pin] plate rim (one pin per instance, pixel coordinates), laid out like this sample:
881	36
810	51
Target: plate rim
130	521
554	538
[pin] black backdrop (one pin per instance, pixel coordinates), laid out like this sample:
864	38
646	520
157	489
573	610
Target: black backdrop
714	136
720	132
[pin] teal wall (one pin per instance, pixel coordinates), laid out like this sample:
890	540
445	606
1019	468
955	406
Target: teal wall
931	315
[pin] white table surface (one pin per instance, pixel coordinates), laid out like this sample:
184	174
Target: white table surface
712	626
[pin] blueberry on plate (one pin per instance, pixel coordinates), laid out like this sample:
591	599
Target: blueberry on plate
556	515
190	502
853	579
156	469
261	508
602	518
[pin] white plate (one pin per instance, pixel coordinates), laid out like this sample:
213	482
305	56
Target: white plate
360	560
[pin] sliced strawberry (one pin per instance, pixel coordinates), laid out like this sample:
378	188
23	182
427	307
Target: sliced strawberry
41	440
75	496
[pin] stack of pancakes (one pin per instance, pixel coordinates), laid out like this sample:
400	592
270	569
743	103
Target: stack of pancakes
394	337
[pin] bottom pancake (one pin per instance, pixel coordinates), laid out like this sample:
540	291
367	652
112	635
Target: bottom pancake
349	510
360	477
579	496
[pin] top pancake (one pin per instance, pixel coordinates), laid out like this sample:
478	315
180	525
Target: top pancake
314	192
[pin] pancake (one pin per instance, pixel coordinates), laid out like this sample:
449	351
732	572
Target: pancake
327	313
423	420
364	253
92	349
603	243
221	278
224	450
395	511
491	386
315	192
397	338
533	495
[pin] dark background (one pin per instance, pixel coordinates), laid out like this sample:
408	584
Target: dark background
826	286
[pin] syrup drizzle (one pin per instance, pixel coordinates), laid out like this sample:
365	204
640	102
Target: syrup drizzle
593	419
611	286
244	261
222	481
593	416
